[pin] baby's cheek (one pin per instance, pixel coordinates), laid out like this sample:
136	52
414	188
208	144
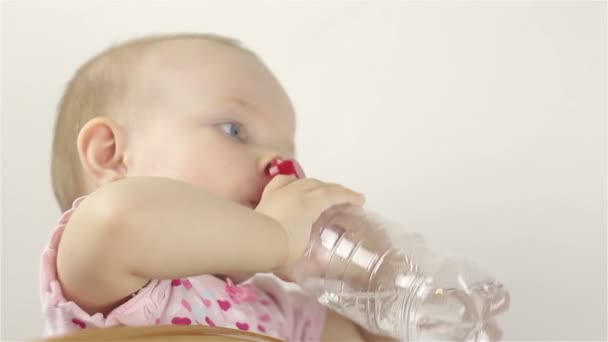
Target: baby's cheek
223	170
203	174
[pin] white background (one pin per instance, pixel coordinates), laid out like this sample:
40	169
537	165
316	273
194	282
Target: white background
480	124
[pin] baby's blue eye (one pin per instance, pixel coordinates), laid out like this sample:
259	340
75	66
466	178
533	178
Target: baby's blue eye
233	129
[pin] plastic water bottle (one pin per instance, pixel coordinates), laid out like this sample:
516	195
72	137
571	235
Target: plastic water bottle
391	283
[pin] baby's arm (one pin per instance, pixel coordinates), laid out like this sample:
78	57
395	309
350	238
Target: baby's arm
143	228
138	229
338	328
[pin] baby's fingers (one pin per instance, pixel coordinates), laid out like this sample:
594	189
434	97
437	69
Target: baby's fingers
334	194
279	182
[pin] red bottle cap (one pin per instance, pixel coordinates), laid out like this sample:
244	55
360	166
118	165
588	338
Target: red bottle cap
285	167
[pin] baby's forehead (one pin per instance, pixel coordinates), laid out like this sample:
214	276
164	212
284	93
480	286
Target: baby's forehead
185	70
189	64
201	64
186	52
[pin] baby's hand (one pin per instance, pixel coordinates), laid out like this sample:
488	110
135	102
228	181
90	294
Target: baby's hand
297	204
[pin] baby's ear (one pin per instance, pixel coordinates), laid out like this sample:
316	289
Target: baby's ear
101	144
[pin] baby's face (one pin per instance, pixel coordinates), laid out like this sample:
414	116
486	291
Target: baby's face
214	117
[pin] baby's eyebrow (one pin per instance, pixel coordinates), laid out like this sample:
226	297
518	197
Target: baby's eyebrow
241	102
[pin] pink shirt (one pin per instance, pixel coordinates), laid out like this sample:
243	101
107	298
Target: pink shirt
262	306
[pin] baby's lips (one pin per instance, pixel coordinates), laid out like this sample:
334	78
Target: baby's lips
285	167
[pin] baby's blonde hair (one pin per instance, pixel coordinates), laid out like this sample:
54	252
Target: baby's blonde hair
99	88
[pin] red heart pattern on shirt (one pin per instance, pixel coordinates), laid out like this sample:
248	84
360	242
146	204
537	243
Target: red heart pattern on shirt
242	326
209	322
79	323
181	321
224	304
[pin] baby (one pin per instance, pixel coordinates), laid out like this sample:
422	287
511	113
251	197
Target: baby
159	163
